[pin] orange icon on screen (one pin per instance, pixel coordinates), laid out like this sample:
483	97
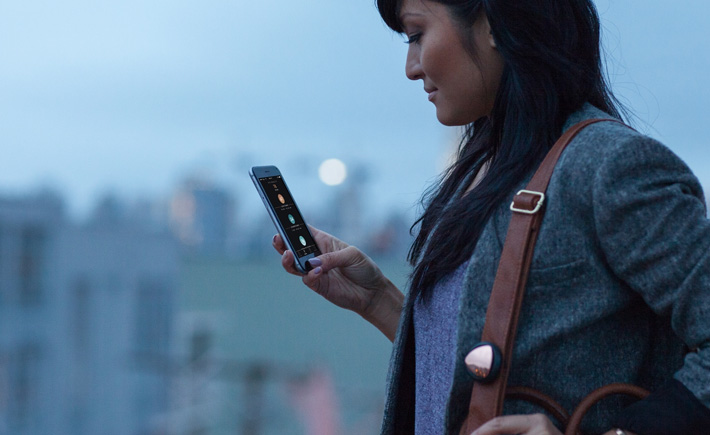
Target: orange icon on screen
281	199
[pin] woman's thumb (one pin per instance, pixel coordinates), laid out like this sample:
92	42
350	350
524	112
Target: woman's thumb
341	258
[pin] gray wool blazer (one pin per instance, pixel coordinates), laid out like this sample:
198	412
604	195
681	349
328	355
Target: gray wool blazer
619	286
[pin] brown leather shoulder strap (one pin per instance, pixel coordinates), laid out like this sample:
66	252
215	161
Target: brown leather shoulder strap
509	286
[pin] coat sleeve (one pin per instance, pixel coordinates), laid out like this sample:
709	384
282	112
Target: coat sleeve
651	221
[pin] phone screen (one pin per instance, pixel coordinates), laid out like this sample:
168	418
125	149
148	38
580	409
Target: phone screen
286	212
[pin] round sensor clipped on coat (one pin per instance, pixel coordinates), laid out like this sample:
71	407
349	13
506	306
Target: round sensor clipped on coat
483	362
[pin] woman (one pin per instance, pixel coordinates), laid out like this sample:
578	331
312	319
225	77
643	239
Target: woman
620	282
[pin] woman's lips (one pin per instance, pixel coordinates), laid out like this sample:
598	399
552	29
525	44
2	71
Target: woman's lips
432	94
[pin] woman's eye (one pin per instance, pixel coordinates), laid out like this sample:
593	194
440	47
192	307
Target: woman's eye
411	39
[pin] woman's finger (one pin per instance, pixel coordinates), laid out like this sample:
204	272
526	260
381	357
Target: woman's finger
535	424
287	263
312	278
342	258
278	244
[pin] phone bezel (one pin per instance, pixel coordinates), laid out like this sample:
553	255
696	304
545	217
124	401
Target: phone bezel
257	172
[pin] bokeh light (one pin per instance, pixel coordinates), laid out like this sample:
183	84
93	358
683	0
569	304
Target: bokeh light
332	172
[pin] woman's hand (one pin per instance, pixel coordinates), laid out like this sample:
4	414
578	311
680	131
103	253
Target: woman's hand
534	424
349	279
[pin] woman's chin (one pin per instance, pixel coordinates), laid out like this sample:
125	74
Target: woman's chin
452	121
454	118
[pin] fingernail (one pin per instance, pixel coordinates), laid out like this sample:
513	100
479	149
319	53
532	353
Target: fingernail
273	239
315	262
317	270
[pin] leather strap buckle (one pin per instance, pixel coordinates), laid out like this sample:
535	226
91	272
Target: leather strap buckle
536	205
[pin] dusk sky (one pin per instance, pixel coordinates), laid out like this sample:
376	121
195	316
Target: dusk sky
132	96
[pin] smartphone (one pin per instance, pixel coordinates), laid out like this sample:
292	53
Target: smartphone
284	213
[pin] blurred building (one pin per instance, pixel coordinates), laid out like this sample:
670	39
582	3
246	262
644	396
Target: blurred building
346	208
260	352
80	307
201	216
390	239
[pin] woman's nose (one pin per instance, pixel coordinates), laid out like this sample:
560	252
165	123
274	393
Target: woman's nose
412	67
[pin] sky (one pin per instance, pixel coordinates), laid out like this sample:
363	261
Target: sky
133	96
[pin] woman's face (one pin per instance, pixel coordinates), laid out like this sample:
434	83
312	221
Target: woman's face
462	89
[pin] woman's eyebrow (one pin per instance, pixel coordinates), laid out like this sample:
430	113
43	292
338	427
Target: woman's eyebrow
408	14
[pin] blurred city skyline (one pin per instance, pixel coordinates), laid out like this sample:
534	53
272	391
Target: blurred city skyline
130	98
111	327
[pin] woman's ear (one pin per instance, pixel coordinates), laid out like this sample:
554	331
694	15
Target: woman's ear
485	29
491	39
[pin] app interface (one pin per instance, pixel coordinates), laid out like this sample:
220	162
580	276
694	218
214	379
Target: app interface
288	216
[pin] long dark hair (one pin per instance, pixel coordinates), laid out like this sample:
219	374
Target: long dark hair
552	66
